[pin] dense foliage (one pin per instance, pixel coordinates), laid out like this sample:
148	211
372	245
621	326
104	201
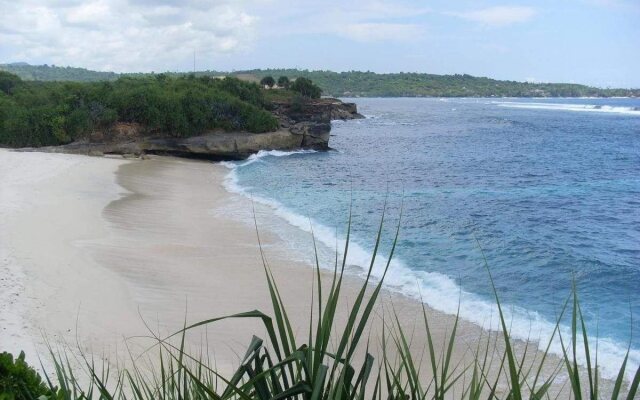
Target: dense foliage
52	113
18	381
306	88
268	81
283	82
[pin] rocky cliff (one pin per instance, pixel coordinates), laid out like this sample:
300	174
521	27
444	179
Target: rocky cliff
303	125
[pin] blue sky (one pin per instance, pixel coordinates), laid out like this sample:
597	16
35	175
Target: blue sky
585	41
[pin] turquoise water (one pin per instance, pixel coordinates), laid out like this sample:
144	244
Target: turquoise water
548	189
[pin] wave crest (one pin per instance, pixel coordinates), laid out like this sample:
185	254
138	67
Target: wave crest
437	290
597	108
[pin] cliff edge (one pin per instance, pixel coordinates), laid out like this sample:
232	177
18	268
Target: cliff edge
303	125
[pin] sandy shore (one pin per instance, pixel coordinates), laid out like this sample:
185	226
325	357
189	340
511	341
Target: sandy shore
109	243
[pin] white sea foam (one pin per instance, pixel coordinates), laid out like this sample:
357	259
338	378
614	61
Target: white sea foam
437	290
273	153
572	107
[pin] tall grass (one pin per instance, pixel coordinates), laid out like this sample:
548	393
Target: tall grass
335	360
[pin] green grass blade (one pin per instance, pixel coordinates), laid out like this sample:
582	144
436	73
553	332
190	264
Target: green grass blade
318	386
618	384
633	389
513	369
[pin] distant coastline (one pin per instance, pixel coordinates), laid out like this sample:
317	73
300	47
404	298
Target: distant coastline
356	83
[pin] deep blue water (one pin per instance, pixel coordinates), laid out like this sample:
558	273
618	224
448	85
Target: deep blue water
549	192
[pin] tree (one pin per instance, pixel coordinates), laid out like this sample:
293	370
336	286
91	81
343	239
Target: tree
306	88
268	81
8	81
283	81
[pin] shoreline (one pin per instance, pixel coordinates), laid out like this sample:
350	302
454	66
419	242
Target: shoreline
440	293
149	245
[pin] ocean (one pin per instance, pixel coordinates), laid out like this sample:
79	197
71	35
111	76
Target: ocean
548	190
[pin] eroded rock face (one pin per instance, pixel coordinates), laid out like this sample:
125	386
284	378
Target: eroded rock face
312	119
305	126
316	110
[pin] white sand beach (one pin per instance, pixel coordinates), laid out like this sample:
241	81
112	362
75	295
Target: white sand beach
92	248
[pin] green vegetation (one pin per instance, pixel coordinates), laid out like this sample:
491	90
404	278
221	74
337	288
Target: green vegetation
370	84
18	381
337	364
280	96
356	83
53	113
54	73
283	82
306	88
268	81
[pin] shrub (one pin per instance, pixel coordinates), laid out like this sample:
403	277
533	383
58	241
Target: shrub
268	81
53	113
8	81
18	381
306	88
245	91
260	121
283	81
298	102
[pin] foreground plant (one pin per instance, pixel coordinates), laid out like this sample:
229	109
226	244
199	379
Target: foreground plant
18	380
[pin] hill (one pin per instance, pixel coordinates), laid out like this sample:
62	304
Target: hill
370	84
356	83
54	73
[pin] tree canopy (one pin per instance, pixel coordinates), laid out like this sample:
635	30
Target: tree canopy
268	81
8	81
306	88
283	82
53	113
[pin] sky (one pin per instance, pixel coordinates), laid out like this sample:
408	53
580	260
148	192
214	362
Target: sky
595	42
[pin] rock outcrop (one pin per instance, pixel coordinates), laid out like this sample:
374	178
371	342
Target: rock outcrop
311	119
305	125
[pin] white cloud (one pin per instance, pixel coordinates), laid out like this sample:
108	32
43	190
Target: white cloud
88	13
499	15
145	35
124	35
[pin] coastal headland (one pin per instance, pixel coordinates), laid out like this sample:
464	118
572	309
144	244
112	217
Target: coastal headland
206	118
305	127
